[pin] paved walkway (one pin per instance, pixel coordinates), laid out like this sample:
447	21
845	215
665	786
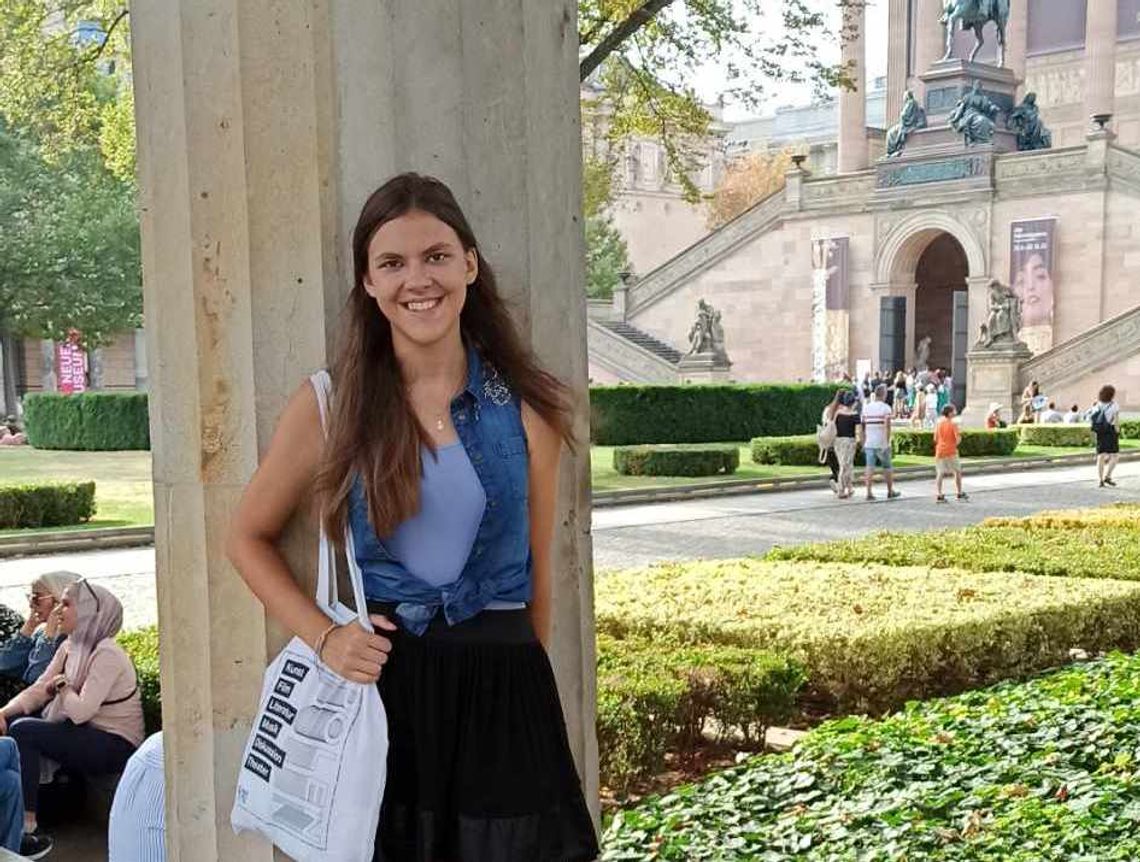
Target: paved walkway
699	529
749	525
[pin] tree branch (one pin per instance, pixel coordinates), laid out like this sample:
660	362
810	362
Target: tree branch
98	51
637	19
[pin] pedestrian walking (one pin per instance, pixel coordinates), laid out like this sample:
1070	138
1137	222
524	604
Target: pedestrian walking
1105	422
846	425
947	437
445	437
876	432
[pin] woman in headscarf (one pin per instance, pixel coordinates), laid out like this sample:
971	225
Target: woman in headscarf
28	652
92	713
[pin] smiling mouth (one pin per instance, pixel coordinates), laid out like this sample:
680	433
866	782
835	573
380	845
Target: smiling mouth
422	304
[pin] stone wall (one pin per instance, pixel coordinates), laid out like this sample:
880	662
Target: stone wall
656	226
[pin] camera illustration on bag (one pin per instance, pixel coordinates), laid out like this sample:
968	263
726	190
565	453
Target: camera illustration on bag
297	745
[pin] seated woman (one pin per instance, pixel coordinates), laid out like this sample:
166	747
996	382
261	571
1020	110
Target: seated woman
92	713
29	651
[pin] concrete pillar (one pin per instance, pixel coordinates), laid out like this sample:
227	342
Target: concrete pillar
1016	42
1100	57
929	40
262	127
853	103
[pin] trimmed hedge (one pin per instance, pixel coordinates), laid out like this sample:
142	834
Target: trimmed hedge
653	701
872	637
623	415
681	460
1130	429
1026	772
1057	435
142	646
56	504
91	421
1076	546
803	450
1001	442
799	451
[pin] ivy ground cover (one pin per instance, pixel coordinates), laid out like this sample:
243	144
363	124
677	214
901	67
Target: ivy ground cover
872	637
1043	770
1094	543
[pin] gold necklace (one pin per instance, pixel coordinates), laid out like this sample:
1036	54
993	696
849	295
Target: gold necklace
439	417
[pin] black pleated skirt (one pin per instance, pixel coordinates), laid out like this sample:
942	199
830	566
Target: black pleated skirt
479	766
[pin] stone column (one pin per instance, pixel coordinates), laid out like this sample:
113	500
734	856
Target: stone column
1016	40
929	41
853	103
1100	57
262	128
897	58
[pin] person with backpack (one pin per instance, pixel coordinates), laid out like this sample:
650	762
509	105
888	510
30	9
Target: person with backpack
1105	422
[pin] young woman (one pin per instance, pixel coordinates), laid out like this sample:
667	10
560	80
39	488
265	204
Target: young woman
1106	426
29	651
846	426
92	717
442	458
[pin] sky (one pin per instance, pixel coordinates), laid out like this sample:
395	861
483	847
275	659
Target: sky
711	79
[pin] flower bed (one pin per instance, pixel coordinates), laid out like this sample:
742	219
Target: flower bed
1043	770
873	637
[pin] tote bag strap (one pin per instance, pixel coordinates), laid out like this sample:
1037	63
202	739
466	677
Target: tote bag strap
328	597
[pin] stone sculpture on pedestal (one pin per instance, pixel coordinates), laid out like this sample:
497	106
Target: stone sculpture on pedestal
1003	317
1025	119
975	15
974	115
911	117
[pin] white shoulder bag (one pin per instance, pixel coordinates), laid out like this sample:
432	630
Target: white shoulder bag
312	775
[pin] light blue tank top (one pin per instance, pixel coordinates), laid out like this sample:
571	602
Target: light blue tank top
434	544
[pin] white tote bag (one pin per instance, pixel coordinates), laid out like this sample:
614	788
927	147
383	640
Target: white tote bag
312	774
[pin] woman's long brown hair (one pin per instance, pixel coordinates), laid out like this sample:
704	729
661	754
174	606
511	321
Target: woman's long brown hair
372	428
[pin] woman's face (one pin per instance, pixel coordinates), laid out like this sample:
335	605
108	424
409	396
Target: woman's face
1035	287
70	615
418	273
41	600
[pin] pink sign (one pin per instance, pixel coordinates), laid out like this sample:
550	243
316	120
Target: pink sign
71	367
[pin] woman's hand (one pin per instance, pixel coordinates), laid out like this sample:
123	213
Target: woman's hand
58	683
355	654
54	619
3	725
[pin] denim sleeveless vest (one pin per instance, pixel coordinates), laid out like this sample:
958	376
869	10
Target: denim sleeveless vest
488	419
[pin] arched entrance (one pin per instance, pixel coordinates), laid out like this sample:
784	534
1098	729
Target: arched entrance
941	308
926	266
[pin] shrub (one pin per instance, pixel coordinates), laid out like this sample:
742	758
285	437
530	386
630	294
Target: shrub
142	646
56	504
870	637
1057	435
974	443
1130	429
622	415
10	623
800	451
1087	550
692	460
652	701
93	421
1028	771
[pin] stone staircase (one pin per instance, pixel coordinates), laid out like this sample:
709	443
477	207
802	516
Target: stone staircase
631	354
1110	341
644	339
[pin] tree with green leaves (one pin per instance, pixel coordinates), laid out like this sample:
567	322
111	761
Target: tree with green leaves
641	53
607	257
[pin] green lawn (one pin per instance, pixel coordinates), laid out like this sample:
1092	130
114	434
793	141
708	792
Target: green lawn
123	495
123	479
605	478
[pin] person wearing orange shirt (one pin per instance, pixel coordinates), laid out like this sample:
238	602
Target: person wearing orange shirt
946	438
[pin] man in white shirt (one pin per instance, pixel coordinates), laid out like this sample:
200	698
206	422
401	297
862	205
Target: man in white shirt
1051	414
876	434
